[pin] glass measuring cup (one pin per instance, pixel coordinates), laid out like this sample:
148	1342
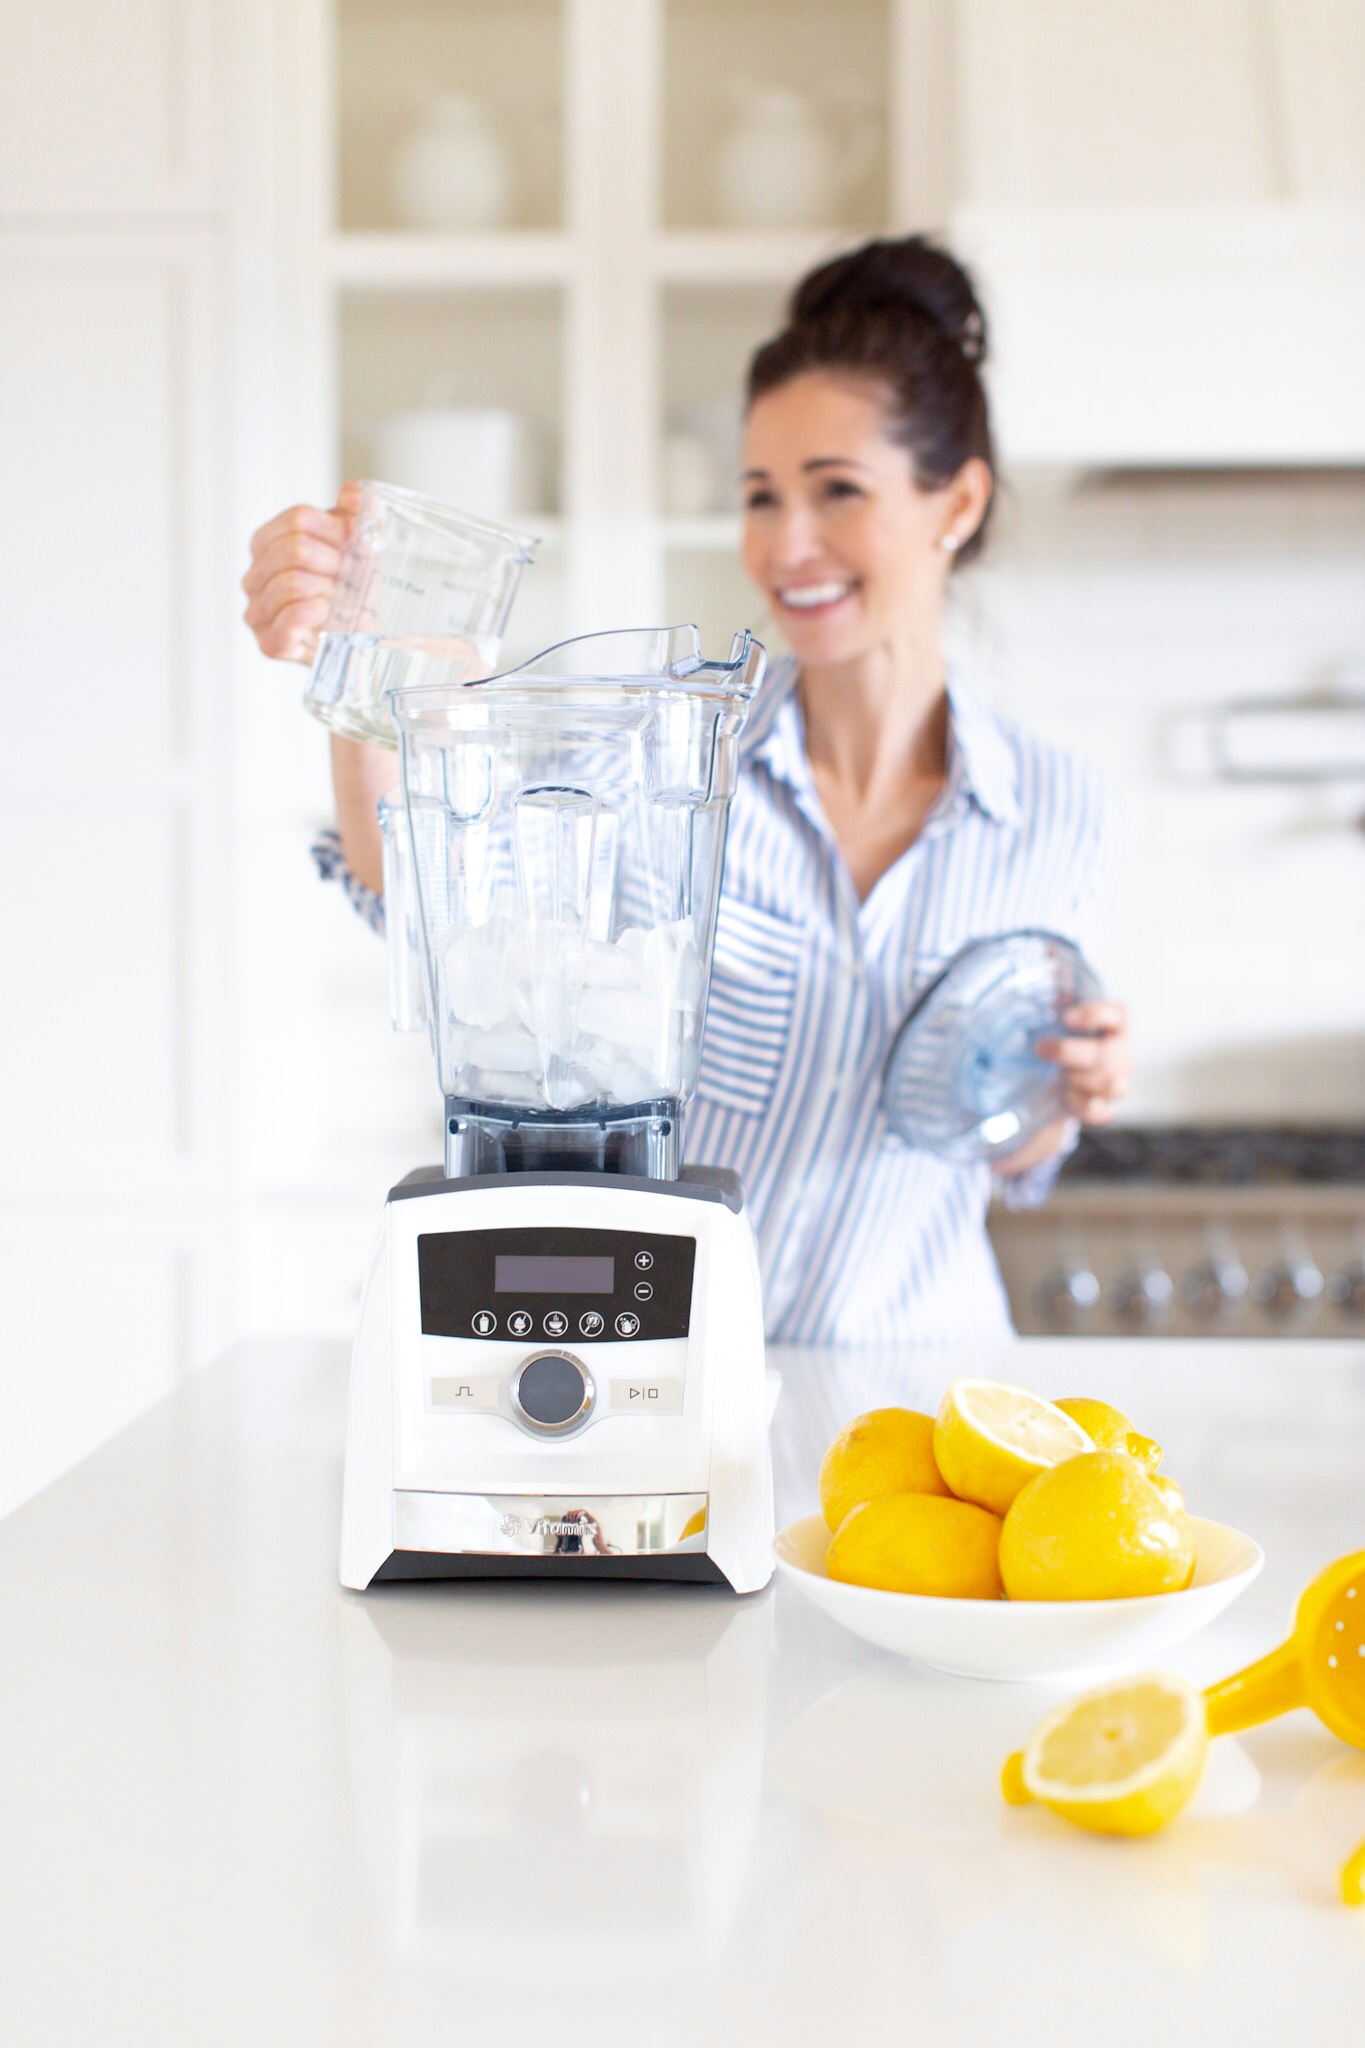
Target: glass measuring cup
962	1078
417	579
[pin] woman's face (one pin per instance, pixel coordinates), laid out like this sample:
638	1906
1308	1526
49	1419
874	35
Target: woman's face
838	535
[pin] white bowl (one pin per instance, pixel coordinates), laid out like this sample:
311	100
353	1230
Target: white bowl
1024	1638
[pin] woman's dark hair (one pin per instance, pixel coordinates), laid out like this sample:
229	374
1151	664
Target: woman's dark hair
903	314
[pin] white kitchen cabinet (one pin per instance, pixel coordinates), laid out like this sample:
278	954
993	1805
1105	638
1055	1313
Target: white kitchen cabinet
117	275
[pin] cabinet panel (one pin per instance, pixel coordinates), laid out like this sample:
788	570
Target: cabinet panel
100	350
96	1036
107	108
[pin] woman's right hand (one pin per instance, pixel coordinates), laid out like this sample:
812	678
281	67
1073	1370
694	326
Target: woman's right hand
295	561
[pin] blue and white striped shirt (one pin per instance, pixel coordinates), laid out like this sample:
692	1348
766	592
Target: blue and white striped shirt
862	1239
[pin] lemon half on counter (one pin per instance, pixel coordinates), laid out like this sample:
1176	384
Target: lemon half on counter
1121	1760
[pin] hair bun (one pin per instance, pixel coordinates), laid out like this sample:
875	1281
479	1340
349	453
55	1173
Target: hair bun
910	275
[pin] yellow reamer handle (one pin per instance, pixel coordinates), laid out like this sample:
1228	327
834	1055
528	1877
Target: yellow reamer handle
1271	1686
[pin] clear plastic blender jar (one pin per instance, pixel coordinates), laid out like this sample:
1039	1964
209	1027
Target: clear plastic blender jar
418	579
565	826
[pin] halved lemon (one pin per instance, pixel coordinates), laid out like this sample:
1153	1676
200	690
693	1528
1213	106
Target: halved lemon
990	1438
1122	1760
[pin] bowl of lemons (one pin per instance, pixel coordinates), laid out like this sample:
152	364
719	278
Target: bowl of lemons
1010	1537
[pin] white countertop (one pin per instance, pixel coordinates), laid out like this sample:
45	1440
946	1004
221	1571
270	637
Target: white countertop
239	1806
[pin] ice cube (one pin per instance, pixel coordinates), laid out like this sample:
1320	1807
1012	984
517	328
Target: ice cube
476	979
485	1085
608	966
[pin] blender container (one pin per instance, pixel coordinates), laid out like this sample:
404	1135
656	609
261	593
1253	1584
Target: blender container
962	1078
417	580
566	825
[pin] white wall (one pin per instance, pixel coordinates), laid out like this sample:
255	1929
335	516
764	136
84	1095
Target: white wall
1110	614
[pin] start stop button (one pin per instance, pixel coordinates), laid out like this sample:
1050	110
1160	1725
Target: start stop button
553	1393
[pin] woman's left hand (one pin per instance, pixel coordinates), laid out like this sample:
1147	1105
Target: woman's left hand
1097	1062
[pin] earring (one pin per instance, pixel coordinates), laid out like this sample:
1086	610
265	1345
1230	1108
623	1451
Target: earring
950	542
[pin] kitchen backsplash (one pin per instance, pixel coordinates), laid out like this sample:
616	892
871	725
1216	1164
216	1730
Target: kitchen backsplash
1111	613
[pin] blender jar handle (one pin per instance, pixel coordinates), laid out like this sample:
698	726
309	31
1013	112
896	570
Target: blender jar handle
402	930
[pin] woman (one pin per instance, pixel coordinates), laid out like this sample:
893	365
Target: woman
884	815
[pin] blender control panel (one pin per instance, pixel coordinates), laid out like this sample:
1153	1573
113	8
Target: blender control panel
555	1285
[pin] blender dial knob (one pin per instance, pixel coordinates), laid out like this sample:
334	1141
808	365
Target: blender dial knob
1146	1295
1071	1291
1293	1284
1348	1289
552	1393
1215	1284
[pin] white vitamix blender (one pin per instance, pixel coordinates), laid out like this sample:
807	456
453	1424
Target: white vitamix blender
559	1363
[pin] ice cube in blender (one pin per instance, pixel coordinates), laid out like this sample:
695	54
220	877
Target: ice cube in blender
477	983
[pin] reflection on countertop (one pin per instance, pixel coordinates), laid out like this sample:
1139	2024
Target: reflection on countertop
249	1807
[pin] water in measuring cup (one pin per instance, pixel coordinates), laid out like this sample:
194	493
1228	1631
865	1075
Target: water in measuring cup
352	671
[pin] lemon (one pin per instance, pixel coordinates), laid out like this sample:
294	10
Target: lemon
1110	1430
918	1543
1353	1879
1123	1759
1013	1789
1168	1490
1095	1528
890	1450
989	1439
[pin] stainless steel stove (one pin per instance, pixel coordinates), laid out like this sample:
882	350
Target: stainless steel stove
1194	1231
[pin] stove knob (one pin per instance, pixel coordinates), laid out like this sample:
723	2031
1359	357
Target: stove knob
1146	1295
1348	1289
1215	1285
1071	1292
1294	1284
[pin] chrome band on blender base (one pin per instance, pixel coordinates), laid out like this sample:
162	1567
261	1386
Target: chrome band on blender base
511	1525
559	1367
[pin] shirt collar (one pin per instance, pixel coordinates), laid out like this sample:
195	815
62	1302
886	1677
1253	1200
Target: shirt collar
980	760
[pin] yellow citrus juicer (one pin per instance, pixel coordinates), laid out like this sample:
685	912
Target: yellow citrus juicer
1321	1666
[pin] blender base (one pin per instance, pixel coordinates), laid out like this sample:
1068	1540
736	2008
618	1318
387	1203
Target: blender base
560	1375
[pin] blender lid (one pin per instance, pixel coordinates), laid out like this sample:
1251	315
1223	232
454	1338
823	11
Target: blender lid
962	1078
630	658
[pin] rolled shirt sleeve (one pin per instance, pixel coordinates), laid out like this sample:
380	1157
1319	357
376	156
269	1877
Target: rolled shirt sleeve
330	863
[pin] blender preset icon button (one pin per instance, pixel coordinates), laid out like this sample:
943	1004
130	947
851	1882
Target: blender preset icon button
644	1260
556	1323
643	1291
521	1322
485	1322
591	1324
627	1325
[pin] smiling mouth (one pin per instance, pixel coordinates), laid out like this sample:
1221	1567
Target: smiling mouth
813	597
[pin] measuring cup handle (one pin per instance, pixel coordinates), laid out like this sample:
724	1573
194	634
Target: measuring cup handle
1271	1686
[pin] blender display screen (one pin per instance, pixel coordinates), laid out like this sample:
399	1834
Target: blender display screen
518	1274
